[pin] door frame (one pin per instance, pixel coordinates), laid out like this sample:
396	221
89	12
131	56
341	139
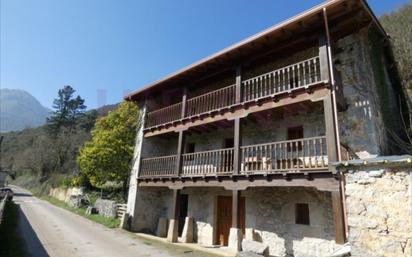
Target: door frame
216	215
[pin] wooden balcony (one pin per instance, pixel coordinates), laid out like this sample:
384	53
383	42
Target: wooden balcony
284	81
292	156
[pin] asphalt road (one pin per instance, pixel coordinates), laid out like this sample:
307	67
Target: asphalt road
51	231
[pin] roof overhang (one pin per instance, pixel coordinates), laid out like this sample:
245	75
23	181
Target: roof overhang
344	14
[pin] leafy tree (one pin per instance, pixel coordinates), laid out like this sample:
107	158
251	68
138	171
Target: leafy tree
398	25
68	108
107	156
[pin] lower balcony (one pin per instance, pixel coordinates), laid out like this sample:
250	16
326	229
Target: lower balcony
291	156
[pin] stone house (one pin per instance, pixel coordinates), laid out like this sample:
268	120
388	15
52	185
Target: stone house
240	145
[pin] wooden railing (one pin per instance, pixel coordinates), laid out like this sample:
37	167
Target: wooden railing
291	155
164	115
208	162
164	166
211	101
283	80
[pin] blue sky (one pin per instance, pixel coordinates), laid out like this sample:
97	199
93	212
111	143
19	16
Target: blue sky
104	48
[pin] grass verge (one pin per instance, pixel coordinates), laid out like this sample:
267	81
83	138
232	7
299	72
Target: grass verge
108	222
11	244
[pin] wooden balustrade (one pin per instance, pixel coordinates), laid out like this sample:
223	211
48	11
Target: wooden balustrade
164	115
164	166
211	101
286	79
208	162
291	155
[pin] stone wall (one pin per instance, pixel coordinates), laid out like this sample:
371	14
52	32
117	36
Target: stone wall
270	212
106	208
379	208
64	194
151	204
361	125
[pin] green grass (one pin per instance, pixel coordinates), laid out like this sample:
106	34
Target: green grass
11	244
108	222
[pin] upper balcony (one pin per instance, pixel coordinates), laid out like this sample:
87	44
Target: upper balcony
284	82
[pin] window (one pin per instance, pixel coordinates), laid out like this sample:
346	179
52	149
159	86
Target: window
190	148
295	133
229	143
302	214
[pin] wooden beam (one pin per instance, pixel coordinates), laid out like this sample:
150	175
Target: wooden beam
237	143
180	144
175	204
330	130
172	234
325	181
184	100
238	84
235	208
338	217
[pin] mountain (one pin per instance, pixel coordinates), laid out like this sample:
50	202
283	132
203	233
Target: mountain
19	110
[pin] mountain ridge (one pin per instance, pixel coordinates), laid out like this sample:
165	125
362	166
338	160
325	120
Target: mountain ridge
20	110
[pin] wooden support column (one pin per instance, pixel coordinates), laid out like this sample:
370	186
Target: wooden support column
172	234
323	58
332	138
235	208
184	100
180	145
236	145
338	217
238	96
330	130
235	234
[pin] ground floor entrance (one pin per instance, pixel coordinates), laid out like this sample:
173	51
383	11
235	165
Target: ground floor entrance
224	218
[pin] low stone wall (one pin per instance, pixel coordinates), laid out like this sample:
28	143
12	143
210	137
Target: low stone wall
379	209
64	194
106	208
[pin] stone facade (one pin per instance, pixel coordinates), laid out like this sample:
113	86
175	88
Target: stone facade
361	125
379	208
151	205
269	211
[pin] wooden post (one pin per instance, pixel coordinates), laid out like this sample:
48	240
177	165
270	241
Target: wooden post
175	204
235	208
238	84
235	233
330	130
236	151
323	58
184	100
180	145
172	234
338	218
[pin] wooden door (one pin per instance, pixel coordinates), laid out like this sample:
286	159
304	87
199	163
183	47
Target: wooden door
224	218
184	200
